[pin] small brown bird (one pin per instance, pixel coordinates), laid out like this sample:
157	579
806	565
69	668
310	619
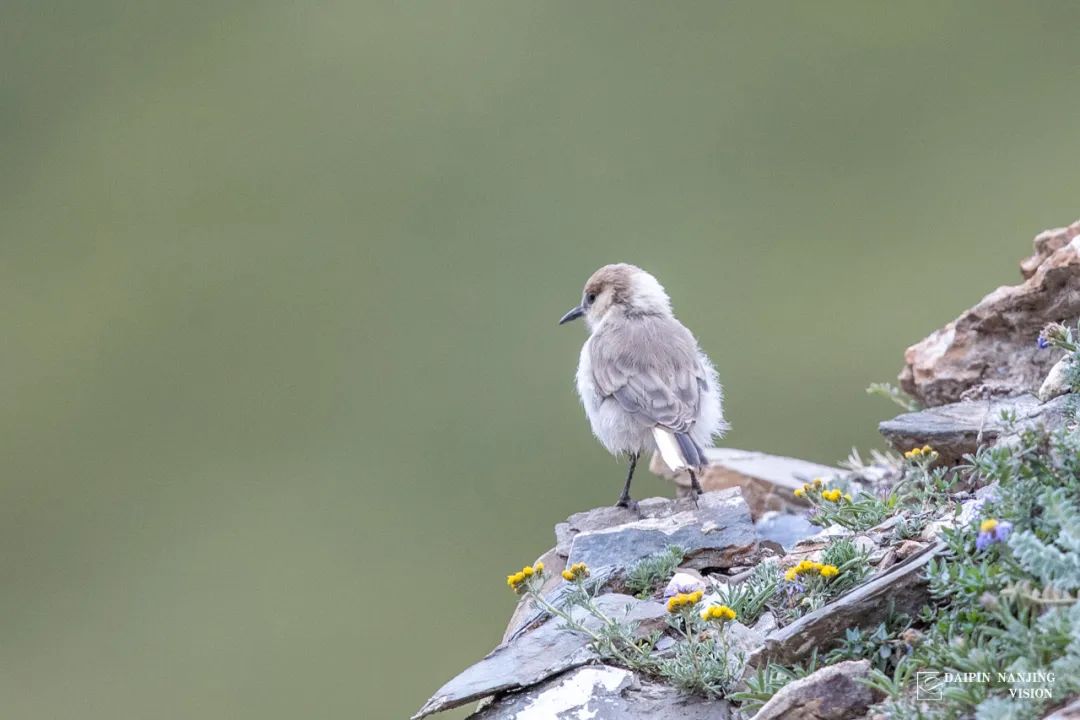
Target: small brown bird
644	382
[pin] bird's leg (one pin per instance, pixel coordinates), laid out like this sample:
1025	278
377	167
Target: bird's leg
695	486
624	499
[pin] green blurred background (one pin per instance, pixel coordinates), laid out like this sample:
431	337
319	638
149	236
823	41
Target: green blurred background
283	393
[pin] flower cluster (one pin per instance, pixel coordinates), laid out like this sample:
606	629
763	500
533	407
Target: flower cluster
515	581
809	567
919	453
720	613
992	531
835	495
817	484
683	600
1053	334
577	571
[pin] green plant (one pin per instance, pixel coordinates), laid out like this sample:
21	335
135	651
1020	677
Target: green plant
767	680
750	597
645	578
883	646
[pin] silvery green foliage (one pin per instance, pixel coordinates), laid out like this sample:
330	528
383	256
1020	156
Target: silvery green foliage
1056	562
1001	708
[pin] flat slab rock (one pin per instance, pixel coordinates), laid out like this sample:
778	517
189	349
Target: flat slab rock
533	657
767	480
831	693
717	533
955	430
903	586
601	692
990	349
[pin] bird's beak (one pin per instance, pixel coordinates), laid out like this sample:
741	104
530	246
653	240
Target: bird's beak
574	314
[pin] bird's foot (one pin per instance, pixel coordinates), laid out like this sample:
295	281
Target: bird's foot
626	502
695	487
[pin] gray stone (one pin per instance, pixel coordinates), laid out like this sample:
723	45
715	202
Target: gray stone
1057	380
600	518
717	533
602	692
785	529
767	481
958	429
533	657
831	693
902	586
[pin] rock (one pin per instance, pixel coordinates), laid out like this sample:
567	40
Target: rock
767	481
785	529
990	350
1057	380
904	585
533	657
602	518
958	429
1046	244
908	548
831	693
718	533
602	692
684	582
1070	712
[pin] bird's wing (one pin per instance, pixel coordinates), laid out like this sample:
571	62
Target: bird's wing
650	367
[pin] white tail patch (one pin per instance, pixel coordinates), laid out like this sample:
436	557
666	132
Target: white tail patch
669	449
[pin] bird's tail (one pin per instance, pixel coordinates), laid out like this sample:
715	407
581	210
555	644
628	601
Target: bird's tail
678	450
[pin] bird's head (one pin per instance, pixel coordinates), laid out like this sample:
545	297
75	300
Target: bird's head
619	287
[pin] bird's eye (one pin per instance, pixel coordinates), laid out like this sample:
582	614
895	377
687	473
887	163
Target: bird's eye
590	298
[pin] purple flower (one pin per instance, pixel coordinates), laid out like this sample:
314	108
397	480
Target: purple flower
794	587
1042	342
992	531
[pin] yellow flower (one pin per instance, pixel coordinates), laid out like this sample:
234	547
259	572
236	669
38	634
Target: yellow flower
913	453
832	495
577	571
718	612
539	567
818	482
682	600
926	449
828	571
988	525
800	492
527	571
791	574
515	581
847	496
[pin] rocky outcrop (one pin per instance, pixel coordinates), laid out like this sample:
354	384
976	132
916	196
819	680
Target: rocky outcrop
602	692
977	375
991	350
832	693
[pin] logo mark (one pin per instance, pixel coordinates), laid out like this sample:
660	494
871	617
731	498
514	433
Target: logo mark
928	685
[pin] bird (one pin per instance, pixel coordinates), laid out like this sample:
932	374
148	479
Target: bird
642	378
